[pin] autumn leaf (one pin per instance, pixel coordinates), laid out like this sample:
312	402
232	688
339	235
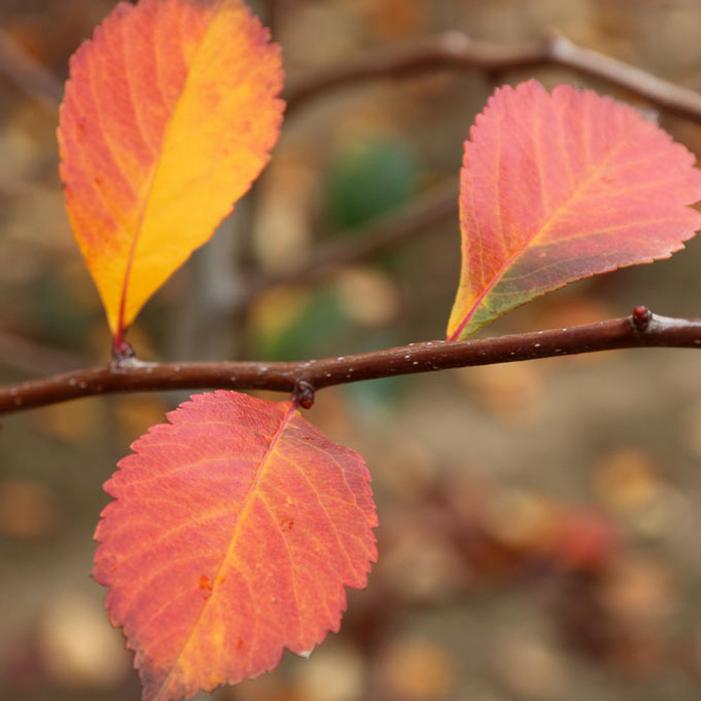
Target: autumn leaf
233	532
170	113
558	187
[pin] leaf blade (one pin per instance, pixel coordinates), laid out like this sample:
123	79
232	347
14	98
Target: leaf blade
170	113
558	187
259	551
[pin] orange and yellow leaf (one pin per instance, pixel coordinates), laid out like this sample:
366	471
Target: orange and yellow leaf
558	187
170	113
233	532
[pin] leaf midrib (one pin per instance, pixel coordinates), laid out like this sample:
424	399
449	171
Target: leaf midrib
241	519
155	172
547	225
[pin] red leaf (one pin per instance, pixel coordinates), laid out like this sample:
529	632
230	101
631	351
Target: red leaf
560	187
233	532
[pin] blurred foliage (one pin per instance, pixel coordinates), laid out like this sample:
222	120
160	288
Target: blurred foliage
369	182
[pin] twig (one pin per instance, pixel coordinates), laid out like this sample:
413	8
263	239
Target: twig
640	330
455	51
440	204
28	356
274	11
208	323
27	73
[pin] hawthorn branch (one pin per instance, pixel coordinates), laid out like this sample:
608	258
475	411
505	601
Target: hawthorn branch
29	356
22	69
640	330
435	207
455	51
274	10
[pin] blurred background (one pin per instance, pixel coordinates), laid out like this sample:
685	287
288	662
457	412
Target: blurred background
539	521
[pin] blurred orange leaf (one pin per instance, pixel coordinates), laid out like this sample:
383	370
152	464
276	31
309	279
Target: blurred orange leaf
233	532
170	113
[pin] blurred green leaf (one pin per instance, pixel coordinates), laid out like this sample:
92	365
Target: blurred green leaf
370	182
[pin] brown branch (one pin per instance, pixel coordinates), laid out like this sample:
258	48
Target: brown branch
440	204
455	51
273	14
29	356
22	69
640	330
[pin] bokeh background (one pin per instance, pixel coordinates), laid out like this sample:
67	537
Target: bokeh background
540	521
